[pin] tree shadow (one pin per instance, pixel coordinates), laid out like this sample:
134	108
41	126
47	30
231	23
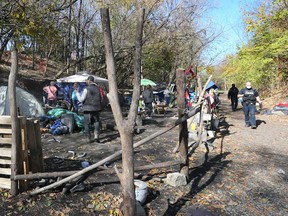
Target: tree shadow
109	137
259	122
151	121
223	132
201	178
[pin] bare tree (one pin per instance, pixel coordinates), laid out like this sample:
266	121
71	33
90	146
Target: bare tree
126	127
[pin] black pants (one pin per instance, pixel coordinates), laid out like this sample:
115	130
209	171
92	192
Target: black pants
148	108
234	103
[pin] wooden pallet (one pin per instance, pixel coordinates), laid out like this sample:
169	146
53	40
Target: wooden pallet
28	151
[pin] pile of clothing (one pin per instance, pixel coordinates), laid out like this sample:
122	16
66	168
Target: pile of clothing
60	121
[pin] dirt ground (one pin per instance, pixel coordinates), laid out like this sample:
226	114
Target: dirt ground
246	173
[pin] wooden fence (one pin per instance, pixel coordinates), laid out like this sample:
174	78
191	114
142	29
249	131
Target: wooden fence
28	151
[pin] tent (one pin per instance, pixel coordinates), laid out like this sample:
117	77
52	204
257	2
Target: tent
211	84
27	104
65	85
82	77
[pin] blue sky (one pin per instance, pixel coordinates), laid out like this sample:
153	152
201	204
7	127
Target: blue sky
226	17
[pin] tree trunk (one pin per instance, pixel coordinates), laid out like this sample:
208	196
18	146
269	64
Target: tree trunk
83	48
78	32
33	54
14	118
127	177
69	38
183	131
125	127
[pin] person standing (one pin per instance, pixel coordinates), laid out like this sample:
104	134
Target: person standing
233	96
91	99
148	98
250	96
74	99
51	92
167	96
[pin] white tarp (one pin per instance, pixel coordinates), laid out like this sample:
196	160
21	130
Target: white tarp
27	104
82	77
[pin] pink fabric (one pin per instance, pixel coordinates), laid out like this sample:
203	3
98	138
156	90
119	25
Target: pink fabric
51	91
281	104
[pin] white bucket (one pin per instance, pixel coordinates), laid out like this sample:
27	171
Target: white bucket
141	191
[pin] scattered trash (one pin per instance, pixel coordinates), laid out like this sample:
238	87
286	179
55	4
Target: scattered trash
57	160
74	154
85	164
141	191
82	155
54	139
281	171
78	187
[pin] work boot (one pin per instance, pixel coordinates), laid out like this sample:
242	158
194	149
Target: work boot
96	137
247	125
253	126
89	138
96	131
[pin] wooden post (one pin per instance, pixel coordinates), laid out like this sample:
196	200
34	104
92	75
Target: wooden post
183	131
35	146
14	119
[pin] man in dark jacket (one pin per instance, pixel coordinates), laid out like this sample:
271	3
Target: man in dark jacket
148	98
249	96
233	96
91	99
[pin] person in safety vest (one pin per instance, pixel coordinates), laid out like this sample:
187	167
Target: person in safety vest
91	99
233	96
249	97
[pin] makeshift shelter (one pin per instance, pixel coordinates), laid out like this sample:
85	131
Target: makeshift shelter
82	77
210	85
145	82
27	104
65	85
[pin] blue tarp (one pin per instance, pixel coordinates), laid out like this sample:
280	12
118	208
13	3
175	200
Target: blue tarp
66	89
211	84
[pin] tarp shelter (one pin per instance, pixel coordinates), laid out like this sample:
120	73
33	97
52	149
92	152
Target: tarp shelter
211	84
145	82
82	77
27	104
66	84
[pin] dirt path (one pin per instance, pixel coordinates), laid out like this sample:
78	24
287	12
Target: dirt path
257	175
246	174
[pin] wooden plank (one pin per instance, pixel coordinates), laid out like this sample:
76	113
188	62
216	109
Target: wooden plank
5	171
5	183
23	185
40	160
5	152
34	146
5	120
5	130
7	140
5	161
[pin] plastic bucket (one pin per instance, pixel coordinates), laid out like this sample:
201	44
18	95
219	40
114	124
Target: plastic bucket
141	191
